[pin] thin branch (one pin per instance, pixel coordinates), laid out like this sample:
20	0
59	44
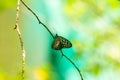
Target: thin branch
52	37
72	64
20	38
37	18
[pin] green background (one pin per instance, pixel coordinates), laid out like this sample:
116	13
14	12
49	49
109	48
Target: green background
93	27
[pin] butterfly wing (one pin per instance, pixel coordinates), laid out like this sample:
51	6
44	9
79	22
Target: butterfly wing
60	42
65	43
57	44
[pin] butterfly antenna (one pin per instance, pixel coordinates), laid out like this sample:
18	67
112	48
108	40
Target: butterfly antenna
52	37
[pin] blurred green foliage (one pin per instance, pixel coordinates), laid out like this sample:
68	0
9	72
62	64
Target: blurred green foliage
93	26
4	4
99	22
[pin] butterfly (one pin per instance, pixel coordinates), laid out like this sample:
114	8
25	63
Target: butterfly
60	42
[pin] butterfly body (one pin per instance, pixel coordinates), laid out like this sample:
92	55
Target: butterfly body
60	42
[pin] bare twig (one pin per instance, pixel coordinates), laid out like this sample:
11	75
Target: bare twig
52	37
20	38
37	18
72	64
